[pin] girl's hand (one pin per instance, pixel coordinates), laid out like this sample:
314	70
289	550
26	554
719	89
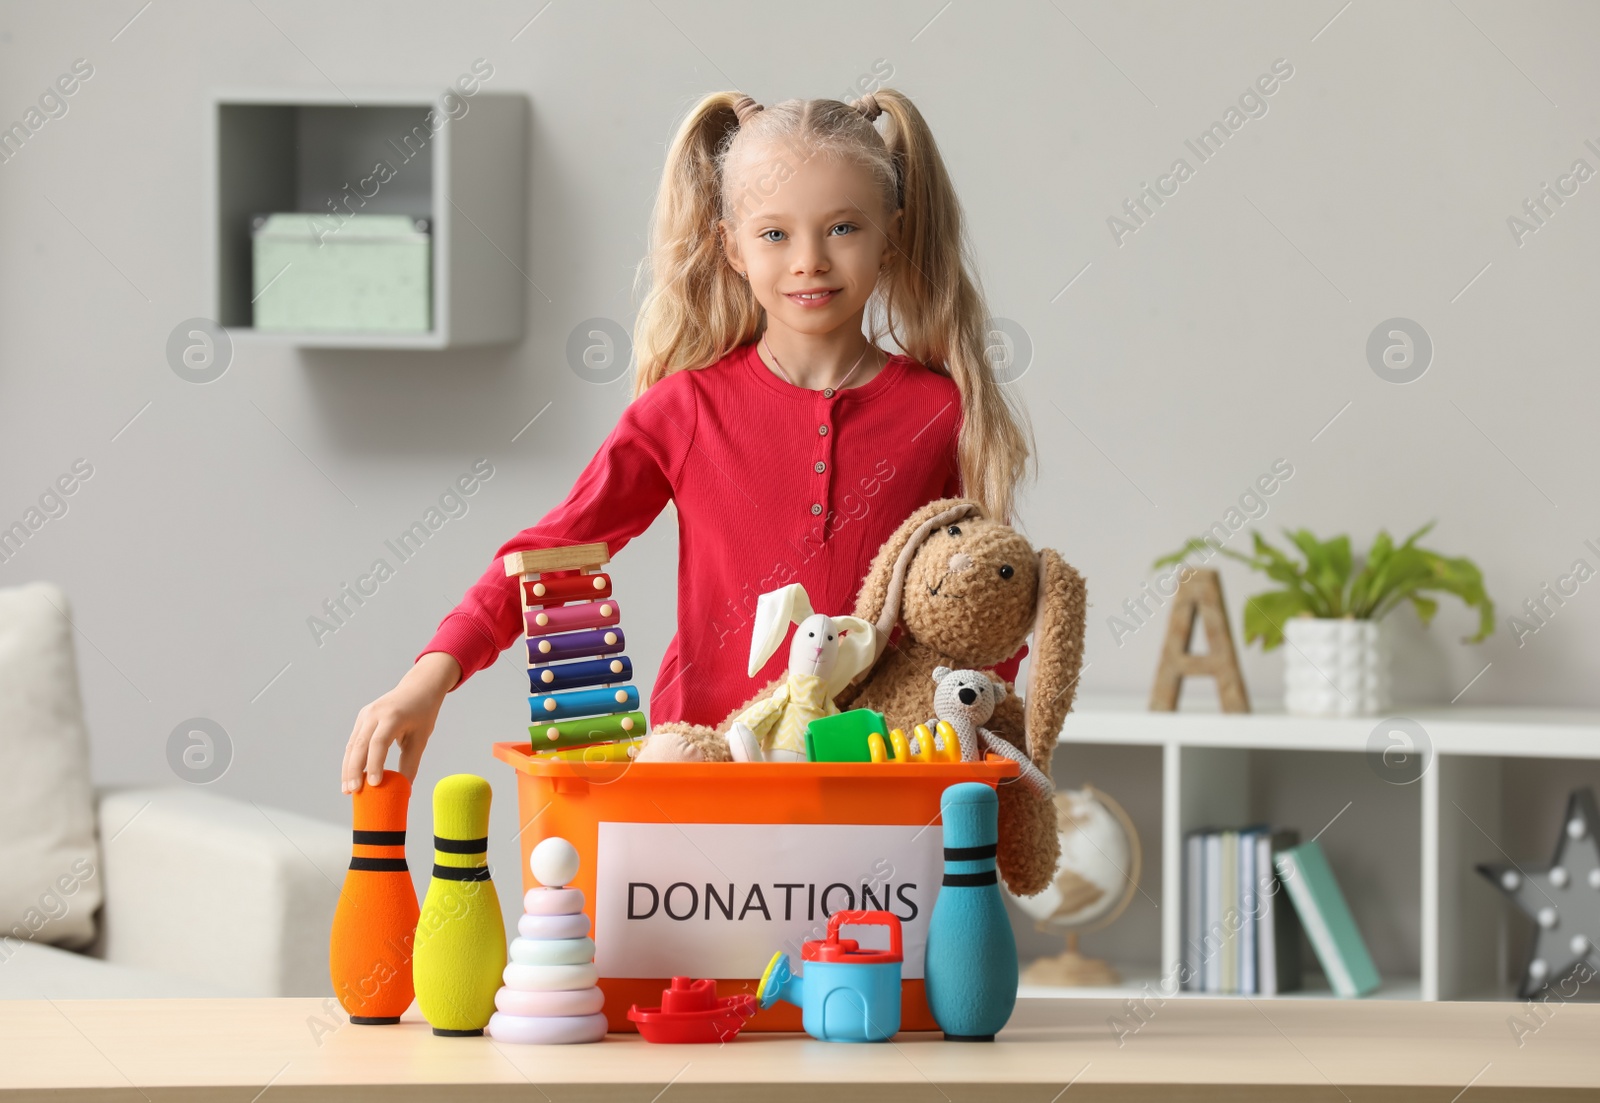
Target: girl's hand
405	715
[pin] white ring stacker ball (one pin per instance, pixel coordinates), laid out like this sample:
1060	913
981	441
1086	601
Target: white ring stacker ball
522	1030
554	862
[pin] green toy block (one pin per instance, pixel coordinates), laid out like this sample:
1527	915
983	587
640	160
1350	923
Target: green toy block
843	736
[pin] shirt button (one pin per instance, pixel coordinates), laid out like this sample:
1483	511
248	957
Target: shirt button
827	392
816	508
823	430
820	467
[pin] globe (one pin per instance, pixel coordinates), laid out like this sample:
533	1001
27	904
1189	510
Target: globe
1095	879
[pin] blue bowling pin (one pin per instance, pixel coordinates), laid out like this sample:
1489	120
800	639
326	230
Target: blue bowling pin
971	967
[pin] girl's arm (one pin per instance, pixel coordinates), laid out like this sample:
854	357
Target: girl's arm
616	497
621	491
403	717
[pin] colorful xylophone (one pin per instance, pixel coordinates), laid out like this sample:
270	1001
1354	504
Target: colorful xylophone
579	702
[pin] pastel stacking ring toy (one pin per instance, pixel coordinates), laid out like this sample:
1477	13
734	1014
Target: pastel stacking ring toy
554	926
551	995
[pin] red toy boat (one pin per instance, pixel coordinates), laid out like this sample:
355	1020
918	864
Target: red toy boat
691	1012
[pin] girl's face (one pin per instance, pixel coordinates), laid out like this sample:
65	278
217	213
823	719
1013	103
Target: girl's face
815	226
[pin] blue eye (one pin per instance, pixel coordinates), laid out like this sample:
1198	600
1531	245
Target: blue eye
763	235
846	225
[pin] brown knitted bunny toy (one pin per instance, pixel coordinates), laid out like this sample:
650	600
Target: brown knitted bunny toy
968	591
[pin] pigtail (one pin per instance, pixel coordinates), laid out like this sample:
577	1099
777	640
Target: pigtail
697	309
934	308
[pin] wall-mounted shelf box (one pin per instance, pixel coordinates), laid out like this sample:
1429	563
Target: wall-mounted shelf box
276	151
1496	784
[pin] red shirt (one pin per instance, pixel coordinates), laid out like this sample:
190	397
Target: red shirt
773	483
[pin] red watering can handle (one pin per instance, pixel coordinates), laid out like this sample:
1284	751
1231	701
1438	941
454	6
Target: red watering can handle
866	919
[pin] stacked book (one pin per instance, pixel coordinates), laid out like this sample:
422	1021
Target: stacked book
1248	894
580	703
1240	934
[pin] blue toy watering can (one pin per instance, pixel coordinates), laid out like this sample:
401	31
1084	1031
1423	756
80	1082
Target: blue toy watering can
846	994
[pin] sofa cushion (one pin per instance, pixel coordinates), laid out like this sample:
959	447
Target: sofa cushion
50	882
256	919
35	972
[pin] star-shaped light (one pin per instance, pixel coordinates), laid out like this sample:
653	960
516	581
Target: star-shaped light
1563	901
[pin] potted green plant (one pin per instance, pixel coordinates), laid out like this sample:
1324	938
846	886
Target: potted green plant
1332	614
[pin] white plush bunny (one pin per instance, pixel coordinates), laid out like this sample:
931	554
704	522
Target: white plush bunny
824	655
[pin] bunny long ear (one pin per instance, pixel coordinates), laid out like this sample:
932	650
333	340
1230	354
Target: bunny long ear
858	647
1056	655
879	598
775	611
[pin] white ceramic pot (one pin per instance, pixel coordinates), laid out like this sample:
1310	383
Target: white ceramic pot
1335	667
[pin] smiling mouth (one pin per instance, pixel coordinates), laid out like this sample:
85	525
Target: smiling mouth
813	299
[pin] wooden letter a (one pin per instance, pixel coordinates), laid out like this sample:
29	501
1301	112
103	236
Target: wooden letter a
1200	593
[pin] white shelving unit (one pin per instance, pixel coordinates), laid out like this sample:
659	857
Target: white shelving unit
276	150
1495	784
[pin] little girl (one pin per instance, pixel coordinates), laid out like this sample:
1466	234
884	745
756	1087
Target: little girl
791	444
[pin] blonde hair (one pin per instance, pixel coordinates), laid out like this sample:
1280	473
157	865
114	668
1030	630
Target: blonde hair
697	309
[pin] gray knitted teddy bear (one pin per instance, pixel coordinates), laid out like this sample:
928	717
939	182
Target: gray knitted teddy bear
965	699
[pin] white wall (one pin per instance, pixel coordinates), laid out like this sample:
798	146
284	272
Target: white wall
1179	365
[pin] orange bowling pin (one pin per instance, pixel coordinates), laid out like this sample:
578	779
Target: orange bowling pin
375	924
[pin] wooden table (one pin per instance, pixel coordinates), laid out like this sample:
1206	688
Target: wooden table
1053	1051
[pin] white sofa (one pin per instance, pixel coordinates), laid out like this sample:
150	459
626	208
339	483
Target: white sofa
203	896
167	891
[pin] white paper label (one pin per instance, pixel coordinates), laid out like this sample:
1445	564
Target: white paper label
719	899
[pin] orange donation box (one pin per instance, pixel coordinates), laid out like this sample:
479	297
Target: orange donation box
707	869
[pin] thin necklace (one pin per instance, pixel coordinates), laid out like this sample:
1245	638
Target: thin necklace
827	391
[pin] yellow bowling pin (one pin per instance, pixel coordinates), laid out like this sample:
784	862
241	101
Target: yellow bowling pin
460	948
